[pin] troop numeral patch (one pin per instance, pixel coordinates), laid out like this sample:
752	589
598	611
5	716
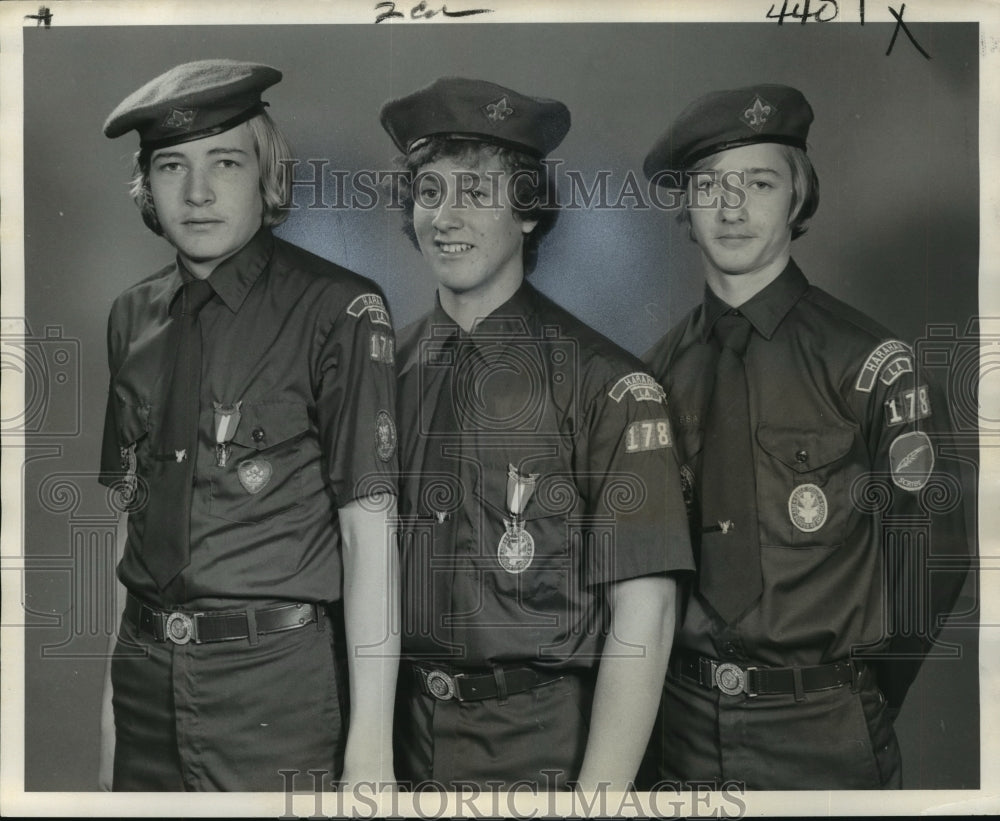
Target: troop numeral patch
652	434
383	347
909	406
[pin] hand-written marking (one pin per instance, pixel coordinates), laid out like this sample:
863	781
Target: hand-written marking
824	11
421	12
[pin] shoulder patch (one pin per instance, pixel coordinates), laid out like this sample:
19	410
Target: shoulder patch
911	460
372	305
649	434
642	387
901	357
385	436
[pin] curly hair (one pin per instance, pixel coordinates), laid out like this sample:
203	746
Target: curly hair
532	190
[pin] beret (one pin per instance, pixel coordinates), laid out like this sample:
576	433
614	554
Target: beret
729	119
191	101
475	109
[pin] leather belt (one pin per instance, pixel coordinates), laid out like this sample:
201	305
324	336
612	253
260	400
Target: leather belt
474	686
203	626
734	679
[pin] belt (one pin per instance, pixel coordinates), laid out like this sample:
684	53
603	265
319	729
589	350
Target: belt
497	683
734	679
203	626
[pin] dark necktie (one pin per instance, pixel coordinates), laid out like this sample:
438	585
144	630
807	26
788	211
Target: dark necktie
729	572
166	548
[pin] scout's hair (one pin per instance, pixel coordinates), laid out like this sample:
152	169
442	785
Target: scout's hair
805	188
533	194
275	182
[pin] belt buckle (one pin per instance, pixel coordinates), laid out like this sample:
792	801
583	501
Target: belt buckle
731	679
440	685
179	628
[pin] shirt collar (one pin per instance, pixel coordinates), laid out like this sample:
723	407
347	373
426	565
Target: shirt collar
506	320
235	276
766	309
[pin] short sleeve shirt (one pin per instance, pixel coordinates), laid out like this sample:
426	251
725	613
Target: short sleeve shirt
851	480
537	467
304	349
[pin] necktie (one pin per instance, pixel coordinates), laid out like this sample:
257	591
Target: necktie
729	572
166	548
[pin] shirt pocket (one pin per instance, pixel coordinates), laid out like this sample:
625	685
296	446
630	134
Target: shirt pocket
532	561
263	474
802	484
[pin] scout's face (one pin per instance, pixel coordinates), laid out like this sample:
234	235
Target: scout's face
465	226
754	236
207	196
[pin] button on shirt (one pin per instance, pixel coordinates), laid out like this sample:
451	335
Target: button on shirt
306	348
844	426
533	389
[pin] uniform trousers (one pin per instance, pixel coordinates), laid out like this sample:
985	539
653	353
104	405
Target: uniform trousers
833	739
227	715
535	737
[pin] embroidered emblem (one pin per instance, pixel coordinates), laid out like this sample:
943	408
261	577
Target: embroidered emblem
909	406
182	118
516	548
876	359
807	508
895	368
911	460
254	474
758	113
642	387
498	111
372	305
227	419
385	436
181	455
382	348
651	434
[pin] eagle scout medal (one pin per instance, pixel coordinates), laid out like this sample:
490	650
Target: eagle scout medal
227	419
254	474
517	546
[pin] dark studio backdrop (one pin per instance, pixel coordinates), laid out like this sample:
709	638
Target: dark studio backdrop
895	144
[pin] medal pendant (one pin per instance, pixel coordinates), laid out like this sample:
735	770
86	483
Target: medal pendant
222	454
516	548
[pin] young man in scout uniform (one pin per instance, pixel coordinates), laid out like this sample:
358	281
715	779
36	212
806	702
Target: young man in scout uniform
540	499
805	431
250	424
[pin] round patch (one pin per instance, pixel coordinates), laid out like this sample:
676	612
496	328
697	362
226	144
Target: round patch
911	460
516	550
385	436
807	508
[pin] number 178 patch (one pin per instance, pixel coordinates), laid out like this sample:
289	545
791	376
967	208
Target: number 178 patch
650	434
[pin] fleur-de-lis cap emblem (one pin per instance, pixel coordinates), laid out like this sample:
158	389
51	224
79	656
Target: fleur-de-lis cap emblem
498	111
758	113
180	118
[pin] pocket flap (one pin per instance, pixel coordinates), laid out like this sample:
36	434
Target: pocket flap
265	425
805	449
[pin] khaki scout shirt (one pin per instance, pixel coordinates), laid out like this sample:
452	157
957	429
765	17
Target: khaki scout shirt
306	348
846	436
533	389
